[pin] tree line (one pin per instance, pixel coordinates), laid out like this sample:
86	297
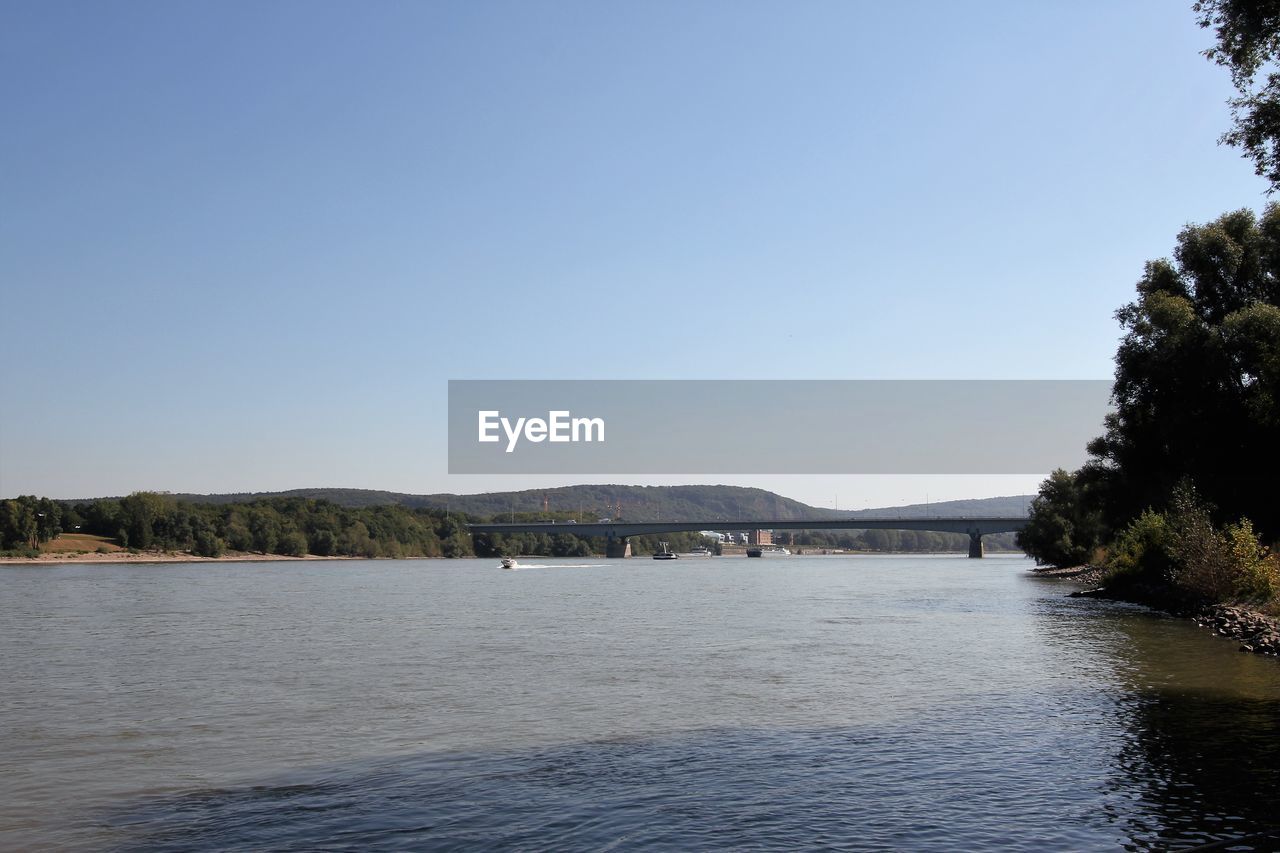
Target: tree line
286	526
295	526
893	541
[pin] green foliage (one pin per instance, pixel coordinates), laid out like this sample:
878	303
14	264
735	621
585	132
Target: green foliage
1065	525
639	503
289	526
1198	377
1141	552
1248	43
323	543
1257	569
27	521
208	545
1211	565
292	544
1181	551
139	513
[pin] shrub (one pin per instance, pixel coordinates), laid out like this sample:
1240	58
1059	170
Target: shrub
1203	565
1212	565
292	544
1257	571
323	543
208	545
1141	552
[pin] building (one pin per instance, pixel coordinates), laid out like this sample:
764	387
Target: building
761	537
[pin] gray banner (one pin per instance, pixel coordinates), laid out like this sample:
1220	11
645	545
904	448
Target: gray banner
772	426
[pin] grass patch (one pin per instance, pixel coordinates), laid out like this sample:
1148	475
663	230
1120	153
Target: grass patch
82	542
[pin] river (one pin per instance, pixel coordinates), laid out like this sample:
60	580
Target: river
855	702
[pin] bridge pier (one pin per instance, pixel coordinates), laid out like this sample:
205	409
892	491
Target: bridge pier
617	547
975	545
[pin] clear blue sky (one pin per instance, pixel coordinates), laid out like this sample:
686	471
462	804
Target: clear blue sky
244	245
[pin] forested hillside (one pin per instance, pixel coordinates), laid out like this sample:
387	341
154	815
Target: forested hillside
634	503
386	524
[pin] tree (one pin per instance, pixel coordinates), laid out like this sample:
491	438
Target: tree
1065	524
19	524
208	545
264	526
292	544
323	543
1248	45
138	515
1198	376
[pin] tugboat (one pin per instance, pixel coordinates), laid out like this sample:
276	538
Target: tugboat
664	553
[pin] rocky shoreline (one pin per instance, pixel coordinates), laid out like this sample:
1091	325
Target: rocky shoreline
1257	632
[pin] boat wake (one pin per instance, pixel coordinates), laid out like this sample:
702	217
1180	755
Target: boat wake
521	566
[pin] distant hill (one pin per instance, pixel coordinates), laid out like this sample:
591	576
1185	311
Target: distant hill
1007	505
638	503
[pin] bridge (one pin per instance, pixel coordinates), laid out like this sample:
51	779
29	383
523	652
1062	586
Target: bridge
616	532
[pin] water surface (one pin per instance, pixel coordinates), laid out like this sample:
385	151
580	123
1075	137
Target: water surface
841	702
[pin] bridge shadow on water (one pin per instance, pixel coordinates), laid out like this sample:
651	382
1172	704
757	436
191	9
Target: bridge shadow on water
1184	771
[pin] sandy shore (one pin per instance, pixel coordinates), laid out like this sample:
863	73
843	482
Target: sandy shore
155	557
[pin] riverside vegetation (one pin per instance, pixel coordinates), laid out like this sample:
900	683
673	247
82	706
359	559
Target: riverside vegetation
1176	506
291	527
299	526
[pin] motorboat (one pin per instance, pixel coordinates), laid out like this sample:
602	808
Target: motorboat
664	552
700	551
509	563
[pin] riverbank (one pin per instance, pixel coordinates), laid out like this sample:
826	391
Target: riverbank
1079	574
1257	632
155	557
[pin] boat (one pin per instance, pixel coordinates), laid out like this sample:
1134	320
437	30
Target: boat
664	553
779	551
509	562
700	551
